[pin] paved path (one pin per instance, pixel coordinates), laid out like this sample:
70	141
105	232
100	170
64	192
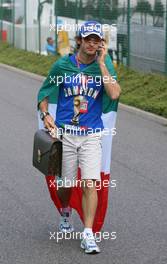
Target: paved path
137	208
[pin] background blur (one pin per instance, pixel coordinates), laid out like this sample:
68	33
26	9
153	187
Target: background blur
137	34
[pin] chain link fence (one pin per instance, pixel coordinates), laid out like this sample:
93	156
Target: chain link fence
136	30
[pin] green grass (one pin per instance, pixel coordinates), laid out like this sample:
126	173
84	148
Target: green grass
24	60
144	91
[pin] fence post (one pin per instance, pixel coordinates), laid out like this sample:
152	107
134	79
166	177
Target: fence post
25	22
128	33
39	26
166	39
13	20
100	11
76	19
1	17
56	37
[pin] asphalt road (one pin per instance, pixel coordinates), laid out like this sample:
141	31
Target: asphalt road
137	207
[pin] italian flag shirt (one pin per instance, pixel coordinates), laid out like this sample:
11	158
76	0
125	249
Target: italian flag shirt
79	105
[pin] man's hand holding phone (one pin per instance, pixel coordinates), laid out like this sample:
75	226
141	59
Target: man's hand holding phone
101	53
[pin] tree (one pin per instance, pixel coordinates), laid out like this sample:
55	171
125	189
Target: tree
6	12
109	9
158	12
144	8
40	7
90	9
114	13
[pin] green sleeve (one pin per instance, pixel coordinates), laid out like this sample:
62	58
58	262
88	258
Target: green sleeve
110	67
108	103
50	86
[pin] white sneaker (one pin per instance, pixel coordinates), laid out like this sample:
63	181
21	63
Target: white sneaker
65	224
89	245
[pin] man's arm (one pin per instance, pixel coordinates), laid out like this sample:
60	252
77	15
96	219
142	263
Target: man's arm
48	119
48	88
110	84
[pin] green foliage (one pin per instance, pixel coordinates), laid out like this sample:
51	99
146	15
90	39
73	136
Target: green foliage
158	12
145	91
159	8
104	10
144	8
6	14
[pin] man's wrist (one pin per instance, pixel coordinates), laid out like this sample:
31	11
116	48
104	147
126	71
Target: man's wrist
44	114
102	64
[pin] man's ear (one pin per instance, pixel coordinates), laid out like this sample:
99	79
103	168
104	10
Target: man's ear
103	42
78	40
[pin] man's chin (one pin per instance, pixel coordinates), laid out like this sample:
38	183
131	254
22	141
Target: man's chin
91	52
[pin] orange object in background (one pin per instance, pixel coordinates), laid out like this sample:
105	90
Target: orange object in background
3	34
63	43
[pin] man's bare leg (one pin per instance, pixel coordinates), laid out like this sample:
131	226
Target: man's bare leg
89	202
89	206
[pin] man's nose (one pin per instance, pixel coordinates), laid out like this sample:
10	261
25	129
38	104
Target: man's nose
91	43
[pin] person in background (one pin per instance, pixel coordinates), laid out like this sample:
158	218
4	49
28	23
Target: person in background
50	47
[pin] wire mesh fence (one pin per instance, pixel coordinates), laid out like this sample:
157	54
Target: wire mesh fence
136	30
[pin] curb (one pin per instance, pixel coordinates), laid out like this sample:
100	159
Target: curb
156	118
28	74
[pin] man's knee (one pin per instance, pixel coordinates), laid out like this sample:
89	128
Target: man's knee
89	186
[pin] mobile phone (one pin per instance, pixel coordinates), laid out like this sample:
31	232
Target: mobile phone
101	46
98	52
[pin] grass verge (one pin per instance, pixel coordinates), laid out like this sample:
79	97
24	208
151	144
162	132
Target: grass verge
144	91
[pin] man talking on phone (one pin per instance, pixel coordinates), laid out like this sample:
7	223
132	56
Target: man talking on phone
79	116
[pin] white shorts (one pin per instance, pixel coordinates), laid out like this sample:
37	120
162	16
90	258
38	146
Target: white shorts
84	152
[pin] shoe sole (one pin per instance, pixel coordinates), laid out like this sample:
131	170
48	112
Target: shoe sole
66	231
93	252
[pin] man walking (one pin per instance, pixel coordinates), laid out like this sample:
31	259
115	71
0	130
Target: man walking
85	85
